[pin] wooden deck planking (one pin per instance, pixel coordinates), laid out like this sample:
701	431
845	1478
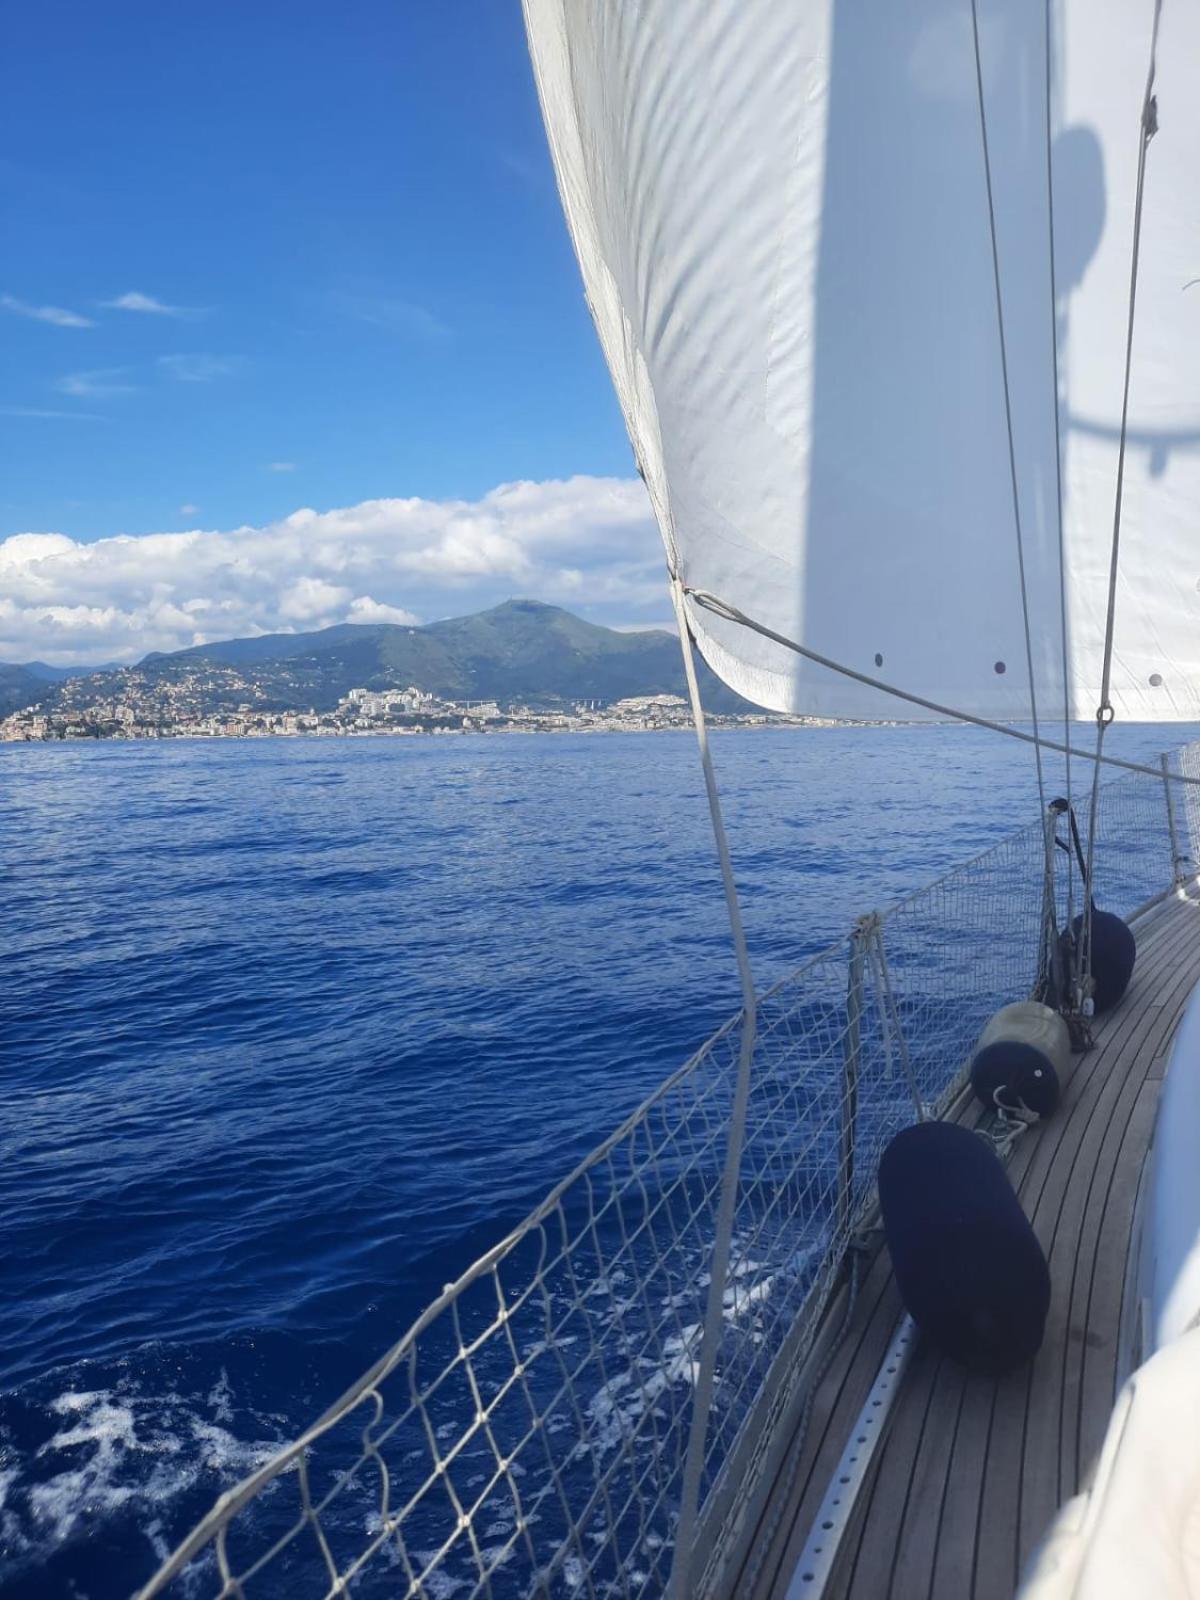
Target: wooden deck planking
1074	1184
972	1469
1098	1362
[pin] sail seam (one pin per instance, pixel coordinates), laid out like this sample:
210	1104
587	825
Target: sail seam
1008	418
1062	550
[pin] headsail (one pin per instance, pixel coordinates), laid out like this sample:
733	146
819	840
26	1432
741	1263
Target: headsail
782	220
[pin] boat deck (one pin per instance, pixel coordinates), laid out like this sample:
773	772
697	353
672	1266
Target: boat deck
971	1470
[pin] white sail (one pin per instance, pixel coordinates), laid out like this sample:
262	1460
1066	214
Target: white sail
1133	1530
781	215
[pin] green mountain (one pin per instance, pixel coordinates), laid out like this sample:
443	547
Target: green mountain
40	669
519	652
18	687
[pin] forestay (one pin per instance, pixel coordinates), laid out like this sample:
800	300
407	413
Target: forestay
782	220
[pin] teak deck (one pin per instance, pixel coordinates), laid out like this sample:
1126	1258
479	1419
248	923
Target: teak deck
971	1470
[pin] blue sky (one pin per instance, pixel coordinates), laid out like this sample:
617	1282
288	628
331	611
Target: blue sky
348	212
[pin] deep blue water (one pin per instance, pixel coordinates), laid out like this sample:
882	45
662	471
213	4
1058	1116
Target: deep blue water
292	1030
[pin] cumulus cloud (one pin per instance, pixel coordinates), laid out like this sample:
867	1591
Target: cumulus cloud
146	304
366	610
52	314
587	543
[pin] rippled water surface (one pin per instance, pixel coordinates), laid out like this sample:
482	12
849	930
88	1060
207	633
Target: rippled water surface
292	1030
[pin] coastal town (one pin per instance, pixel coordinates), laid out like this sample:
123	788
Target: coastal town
176	710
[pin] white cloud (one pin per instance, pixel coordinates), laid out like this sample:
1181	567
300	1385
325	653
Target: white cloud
197	368
23	548
364	609
134	300
405	317
281	466
52	314
188	510
588	543
100	383
56	416
312	600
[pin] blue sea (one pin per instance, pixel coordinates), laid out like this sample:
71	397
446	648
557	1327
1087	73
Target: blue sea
293	1030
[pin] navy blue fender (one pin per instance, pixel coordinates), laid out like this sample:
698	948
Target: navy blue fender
1020	1058
969	1267
1114	950
1014	1074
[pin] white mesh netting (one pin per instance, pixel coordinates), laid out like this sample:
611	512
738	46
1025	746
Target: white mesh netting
528	1434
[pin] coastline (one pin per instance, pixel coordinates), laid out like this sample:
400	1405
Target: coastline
720	723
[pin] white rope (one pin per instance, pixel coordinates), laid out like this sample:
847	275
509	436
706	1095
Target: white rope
722	608
889	1014
1008	421
1104	711
714	1315
1010	1125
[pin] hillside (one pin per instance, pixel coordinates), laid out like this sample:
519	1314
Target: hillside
19	687
518	652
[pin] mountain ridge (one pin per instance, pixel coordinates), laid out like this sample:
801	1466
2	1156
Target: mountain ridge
519	652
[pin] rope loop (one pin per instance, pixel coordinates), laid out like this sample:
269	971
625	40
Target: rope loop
1105	714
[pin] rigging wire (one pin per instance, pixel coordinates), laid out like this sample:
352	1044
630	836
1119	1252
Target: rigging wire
714	1313
1008	418
1062	555
722	608
1104	711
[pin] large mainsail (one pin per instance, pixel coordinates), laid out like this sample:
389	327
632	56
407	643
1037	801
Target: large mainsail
782	218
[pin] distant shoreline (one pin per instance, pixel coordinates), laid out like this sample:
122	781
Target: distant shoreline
718	723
